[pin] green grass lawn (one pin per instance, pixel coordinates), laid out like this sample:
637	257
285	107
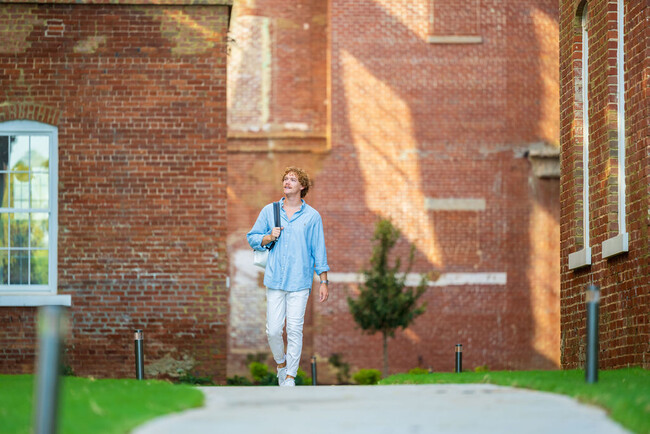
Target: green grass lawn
624	393
94	406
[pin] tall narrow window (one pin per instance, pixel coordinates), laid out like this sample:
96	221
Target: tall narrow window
619	243
583	256
28	208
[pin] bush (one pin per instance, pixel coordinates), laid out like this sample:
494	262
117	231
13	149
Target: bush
367	376
418	371
189	378
258	370
302	379
261	375
482	368
238	381
342	368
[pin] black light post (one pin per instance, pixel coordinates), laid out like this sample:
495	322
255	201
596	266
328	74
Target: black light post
593	303
313	371
51	331
459	358
139	354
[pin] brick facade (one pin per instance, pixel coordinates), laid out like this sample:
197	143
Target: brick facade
138	93
623	277
427	124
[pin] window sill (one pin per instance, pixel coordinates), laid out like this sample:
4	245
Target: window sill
455	39
278	141
616	245
581	258
35	300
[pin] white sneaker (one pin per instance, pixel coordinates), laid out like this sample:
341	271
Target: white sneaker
282	375
289	382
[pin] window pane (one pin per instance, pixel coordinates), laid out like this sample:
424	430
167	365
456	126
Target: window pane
19	266
19	230
4	267
19	155
4	190
4	152
19	190
4	230
39	230
39	267
40	153
40	190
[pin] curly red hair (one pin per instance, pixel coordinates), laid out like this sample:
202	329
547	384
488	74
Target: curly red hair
303	178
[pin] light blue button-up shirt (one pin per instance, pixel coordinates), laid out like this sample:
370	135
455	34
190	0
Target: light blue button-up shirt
298	252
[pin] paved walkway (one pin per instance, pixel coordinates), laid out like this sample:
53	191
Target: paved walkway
455	408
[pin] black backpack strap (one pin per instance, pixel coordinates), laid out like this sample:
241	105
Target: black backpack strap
276	208
276	213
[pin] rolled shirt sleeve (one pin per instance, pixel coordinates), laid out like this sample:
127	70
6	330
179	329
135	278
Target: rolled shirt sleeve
319	252
261	228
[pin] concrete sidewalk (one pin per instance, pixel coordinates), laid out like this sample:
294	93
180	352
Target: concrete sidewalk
455	408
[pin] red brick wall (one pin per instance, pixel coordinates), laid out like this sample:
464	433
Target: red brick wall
410	120
623	279
138	94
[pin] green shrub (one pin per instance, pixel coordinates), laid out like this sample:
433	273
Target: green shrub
482	368
258	370
302	379
342	368
261	375
367	376
418	371
189	378
238	381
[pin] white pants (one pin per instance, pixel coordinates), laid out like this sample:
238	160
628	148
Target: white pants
281	305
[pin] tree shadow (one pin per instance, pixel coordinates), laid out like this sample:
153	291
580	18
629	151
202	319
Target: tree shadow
467	115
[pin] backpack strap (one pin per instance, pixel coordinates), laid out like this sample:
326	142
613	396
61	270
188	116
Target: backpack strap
276	209
276	214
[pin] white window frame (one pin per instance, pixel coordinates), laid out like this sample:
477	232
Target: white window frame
39	295
582	257
620	242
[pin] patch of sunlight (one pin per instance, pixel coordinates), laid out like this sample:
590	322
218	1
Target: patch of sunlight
382	131
544	278
547	33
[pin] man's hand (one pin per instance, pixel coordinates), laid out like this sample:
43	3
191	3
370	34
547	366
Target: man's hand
324	292
275	233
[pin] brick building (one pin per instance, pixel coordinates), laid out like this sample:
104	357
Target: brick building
605	183
442	118
113	148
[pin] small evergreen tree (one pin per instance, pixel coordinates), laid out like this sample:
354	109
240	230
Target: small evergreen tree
385	303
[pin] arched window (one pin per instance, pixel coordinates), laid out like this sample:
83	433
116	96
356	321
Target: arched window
28	214
582	257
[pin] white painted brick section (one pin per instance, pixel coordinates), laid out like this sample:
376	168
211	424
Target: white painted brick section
454	204
445	279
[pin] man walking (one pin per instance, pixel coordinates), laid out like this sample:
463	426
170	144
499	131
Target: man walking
299	250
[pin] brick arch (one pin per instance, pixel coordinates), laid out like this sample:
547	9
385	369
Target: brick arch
30	111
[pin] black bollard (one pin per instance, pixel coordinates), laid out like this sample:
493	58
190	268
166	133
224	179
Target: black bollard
313	371
51	330
139	354
593	303
459	358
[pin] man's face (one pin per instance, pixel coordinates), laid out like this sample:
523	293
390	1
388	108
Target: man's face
291	184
